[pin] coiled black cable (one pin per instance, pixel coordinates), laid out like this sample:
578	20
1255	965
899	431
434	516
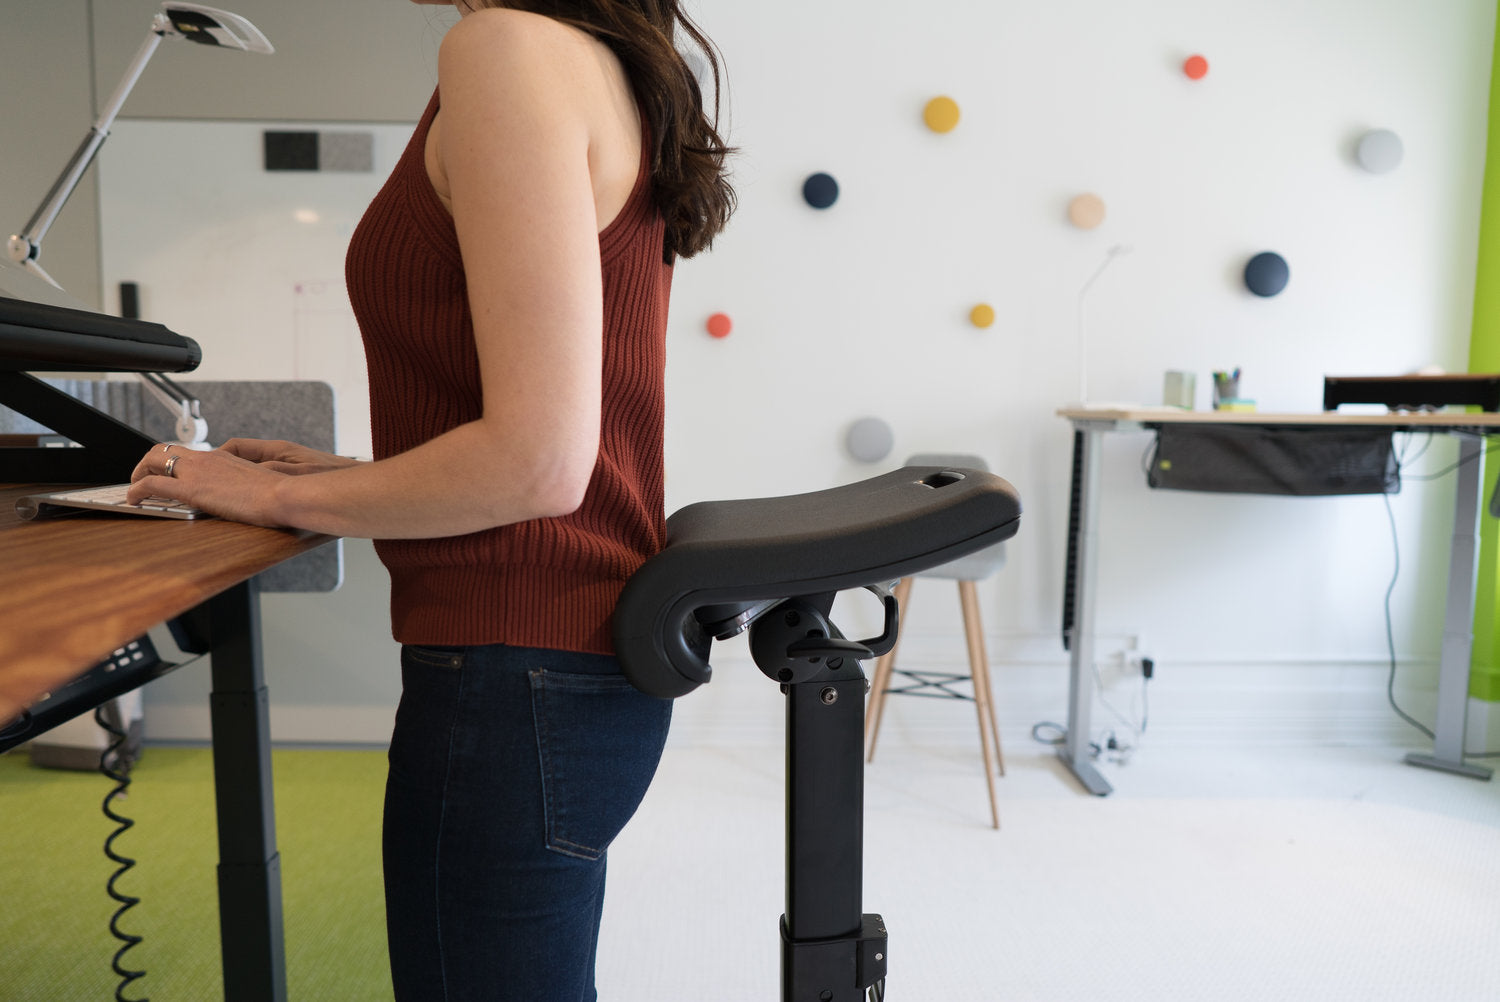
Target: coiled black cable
116	762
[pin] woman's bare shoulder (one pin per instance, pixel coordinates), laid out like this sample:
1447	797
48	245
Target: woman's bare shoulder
524	39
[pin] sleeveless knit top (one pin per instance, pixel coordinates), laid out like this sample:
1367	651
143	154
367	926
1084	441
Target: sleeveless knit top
547	582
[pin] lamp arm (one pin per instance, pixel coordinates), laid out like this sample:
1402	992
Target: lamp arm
26	246
1083	345
189	426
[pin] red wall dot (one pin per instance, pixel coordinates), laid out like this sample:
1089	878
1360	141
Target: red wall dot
1196	67
719	325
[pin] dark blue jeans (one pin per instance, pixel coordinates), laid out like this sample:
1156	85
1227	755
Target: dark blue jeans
511	771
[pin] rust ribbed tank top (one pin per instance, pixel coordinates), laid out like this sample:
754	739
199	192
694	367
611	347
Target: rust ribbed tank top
543	583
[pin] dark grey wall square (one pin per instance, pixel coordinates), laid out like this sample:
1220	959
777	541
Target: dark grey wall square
291	150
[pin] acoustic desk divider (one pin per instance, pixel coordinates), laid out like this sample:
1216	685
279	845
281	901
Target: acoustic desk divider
773	566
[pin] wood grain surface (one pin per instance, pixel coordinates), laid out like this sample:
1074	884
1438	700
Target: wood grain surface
74	589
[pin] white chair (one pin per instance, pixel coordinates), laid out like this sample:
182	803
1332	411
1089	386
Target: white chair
889	679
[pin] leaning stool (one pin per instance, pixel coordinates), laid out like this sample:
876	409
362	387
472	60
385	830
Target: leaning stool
944	685
774	566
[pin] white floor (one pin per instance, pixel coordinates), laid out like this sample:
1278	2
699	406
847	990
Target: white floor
1264	841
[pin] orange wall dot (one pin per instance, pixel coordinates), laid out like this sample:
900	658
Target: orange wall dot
1196	67
982	315
941	114
719	325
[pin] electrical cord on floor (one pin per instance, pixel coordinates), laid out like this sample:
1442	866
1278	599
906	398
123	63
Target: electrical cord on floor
1108	740
1060	738
116	762
1111	741
1390	638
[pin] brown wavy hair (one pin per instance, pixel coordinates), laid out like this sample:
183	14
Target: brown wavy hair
689	175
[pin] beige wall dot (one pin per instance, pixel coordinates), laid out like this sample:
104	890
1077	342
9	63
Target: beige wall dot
1086	211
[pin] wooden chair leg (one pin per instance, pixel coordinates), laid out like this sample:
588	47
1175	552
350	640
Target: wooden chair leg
982	679
882	677
979	667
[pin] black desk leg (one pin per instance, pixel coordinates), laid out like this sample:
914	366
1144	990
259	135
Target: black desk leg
250	925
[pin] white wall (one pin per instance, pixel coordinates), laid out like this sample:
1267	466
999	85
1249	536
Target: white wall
862	309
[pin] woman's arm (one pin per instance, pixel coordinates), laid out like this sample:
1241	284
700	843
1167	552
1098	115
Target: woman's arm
520	101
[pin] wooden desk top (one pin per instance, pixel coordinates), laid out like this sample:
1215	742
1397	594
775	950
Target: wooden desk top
74	589
1131	414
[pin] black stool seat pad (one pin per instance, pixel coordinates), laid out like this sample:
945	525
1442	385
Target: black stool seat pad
723	553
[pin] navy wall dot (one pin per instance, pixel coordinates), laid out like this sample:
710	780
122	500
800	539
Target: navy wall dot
1266	273
820	190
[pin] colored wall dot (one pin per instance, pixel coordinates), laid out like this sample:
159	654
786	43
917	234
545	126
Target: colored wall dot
1196	67
869	440
820	190
1379	151
1267	273
1086	211
941	114
982	315
719	325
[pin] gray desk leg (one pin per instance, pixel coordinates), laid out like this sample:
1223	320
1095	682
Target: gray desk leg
250	923
1075	750
1458	620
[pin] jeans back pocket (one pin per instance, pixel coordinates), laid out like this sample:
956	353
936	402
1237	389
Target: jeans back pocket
600	740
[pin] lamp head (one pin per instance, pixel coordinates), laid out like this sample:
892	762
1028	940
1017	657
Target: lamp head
209	26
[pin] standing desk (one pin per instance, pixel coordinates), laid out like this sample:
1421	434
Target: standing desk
74	589
1090	425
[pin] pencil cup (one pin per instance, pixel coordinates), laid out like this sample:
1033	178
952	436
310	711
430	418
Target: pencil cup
1179	390
1226	388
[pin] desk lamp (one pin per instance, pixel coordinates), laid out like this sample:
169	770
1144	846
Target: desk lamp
196	23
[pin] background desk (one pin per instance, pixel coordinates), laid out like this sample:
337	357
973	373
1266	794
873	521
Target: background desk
1091	424
75	589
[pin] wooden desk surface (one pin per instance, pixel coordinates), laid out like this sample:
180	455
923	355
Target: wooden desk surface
1436	420
74	589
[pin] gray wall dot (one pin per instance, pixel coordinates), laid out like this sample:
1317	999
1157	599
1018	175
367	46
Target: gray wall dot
1379	151
870	440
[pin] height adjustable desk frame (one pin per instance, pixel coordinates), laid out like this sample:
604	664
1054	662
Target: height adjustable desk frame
1081	603
774	566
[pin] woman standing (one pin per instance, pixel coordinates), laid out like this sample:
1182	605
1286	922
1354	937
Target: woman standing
511	282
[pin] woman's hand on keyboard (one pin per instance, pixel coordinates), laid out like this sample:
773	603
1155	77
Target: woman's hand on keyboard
286	457
218	482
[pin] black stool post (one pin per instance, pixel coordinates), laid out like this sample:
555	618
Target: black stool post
831	951
734	565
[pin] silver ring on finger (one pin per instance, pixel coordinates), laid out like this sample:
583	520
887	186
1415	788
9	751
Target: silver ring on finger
170	468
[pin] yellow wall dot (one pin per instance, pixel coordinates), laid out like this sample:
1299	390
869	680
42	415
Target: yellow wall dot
982	315
1086	211
941	114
